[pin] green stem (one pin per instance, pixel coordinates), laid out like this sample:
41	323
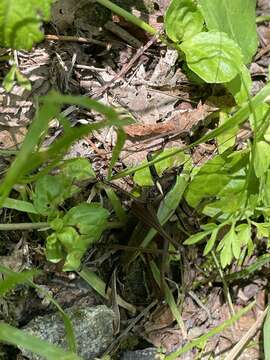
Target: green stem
128	16
263	18
24	226
225	286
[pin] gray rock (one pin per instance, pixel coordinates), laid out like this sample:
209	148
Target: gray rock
93	329
146	354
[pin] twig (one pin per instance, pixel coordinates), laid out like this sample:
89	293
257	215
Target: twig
79	39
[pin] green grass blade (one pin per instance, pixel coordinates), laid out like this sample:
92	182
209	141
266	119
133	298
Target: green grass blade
169	299
218	329
31	343
121	138
266	335
39	125
116	204
99	285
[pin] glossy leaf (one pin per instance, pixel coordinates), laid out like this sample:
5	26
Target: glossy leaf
237	18
20	22
261	158
213	56
183	20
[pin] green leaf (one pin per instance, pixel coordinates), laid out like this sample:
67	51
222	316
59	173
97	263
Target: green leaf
226	139
20	22
211	242
16	337
226	252
12	280
143	177
213	56
266	335
243	233
51	191
182	20
19	205
240	86
89	219
9	80
236	243
237	18
121	138
23	81
54	251
193	239
261	158
78	169
263	230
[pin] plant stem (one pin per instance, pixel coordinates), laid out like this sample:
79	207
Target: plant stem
24	226
225	286
128	16
263	18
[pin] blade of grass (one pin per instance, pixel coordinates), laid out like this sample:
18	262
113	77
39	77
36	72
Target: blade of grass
121	138
29	342
116	203
38	126
19	205
202	339
237	119
169	299
99	285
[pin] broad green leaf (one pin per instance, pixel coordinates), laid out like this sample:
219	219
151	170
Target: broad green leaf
20	22
54	250
193	239
89	219
78	169
121	138
211	242
213	56
12	280
183	20
143	177
263	230
16	337
51	191
266	335
240	86
237	18
261	158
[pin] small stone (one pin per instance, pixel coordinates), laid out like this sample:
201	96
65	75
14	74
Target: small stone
146	354
93	330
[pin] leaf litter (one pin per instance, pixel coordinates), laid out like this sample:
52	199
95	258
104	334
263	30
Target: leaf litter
168	110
